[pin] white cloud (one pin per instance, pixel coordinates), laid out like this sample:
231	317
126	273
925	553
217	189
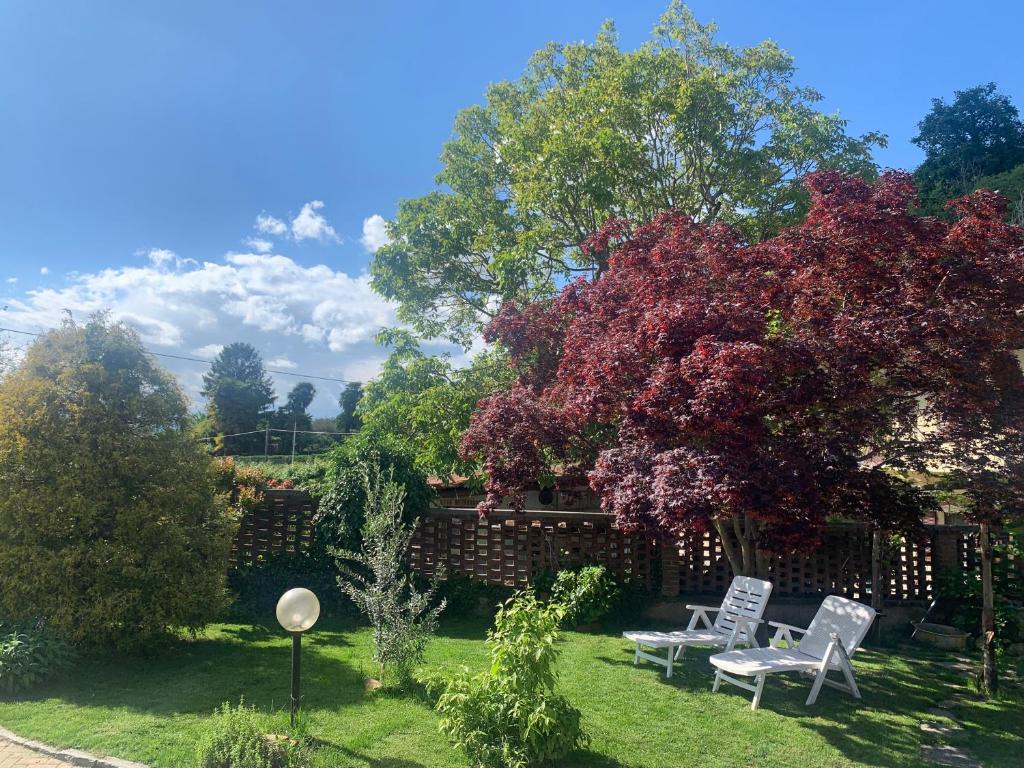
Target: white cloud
44	270
259	245
268	225
375	233
320	320
281	362
310	225
12	280
161	257
208	350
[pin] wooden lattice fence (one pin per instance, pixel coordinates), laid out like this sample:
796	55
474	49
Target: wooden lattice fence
511	548
282	522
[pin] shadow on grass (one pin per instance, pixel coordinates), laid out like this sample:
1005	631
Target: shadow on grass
196	676
371	762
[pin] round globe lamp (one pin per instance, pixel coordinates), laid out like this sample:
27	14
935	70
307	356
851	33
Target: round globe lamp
297	612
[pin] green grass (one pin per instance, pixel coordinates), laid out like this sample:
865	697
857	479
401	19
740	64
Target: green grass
153	709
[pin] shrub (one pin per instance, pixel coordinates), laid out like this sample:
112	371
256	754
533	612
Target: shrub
588	595
510	716
110	523
234	739
29	655
403	617
339	488
257	588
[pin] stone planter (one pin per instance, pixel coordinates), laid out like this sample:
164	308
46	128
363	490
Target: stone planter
941	636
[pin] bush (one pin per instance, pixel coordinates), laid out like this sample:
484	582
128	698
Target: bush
339	488
403	617
234	739
465	596
29	655
588	595
510	716
257	588
110	523
958	600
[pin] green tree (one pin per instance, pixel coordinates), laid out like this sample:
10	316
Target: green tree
591	132
110	524
423	403
1010	184
338	485
979	134
348	419
239	394
294	412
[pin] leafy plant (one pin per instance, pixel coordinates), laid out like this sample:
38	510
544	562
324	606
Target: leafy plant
234	739
378	581
111	525
339	488
959	600
588	595
29	655
510	716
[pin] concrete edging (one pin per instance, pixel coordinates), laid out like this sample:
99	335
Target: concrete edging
72	756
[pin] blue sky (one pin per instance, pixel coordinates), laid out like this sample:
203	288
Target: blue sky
140	141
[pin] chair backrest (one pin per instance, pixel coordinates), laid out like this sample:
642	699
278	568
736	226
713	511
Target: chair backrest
747	597
847	618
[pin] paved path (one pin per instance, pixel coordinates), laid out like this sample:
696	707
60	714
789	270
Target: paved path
14	756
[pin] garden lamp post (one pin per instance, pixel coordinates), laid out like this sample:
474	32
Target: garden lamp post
297	611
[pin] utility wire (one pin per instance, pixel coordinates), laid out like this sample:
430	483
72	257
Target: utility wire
206	362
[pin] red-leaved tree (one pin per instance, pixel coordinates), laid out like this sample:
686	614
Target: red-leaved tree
701	382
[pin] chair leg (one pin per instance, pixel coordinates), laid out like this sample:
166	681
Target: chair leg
848	674
680	651
636	656
668	663
819	680
757	694
718	682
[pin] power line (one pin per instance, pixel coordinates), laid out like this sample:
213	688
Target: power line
206	362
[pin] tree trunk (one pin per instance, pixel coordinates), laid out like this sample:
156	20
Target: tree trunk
989	678
727	547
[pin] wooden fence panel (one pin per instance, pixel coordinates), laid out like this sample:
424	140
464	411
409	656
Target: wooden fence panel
512	548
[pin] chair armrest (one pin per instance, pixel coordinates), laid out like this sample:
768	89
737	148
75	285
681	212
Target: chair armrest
790	627
714	609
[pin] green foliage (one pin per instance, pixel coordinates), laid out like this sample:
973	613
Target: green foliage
293	414
348	419
377	579
979	135
422	403
959	599
257	588
110	523
1010	184
510	716
234	739
29	655
465	596
589	132
240	395
588	594
337	480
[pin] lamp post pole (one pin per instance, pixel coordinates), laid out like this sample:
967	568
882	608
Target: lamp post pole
297	611
296	665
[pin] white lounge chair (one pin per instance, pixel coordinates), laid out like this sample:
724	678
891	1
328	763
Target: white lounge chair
835	633
736	622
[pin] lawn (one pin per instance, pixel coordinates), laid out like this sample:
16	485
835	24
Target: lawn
152	709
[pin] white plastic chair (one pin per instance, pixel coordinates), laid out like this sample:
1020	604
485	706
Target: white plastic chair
835	634
736	623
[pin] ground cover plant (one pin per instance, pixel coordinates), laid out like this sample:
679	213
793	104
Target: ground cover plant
154	709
